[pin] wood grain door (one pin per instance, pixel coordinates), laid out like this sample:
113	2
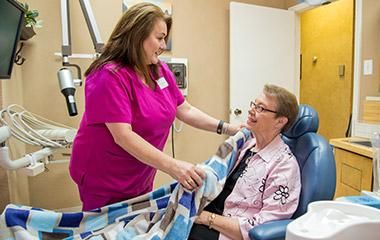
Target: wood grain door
327	34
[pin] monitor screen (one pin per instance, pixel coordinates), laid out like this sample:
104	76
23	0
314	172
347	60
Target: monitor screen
12	18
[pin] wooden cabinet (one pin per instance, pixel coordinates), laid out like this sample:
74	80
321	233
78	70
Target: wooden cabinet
353	166
353	173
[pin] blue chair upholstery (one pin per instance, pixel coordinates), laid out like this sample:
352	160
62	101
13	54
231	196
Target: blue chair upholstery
318	173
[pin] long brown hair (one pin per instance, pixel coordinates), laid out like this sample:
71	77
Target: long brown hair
125	45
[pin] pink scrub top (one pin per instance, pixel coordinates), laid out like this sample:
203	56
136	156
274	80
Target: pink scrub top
115	94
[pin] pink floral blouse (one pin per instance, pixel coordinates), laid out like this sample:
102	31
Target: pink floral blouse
268	189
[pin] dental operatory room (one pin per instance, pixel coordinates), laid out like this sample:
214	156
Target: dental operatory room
227	119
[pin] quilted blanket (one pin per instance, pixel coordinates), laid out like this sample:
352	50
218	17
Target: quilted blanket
165	213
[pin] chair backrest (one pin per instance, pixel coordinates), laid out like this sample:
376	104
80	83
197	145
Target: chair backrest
315	158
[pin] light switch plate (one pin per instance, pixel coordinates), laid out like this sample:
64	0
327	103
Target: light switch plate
368	67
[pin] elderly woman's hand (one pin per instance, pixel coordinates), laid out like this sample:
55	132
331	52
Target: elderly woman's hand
203	218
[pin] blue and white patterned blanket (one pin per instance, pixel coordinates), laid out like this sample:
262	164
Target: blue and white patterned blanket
165	213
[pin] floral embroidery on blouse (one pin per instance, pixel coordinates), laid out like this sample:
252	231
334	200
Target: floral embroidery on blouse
282	194
251	221
262	186
242	174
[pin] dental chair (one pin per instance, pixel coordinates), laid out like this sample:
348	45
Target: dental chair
318	173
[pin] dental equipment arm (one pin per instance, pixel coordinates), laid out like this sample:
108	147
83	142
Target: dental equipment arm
34	130
66	82
91	25
5	133
29	159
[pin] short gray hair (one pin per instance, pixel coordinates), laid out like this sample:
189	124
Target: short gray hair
287	105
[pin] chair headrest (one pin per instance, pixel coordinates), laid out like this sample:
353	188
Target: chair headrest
307	121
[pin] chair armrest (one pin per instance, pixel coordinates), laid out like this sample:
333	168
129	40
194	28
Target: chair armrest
272	230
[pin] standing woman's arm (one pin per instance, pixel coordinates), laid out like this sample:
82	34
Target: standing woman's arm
198	119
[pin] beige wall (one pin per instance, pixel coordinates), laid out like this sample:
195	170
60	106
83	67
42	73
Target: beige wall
200	33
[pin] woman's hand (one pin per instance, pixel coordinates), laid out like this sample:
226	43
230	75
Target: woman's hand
232	129
188	175
203	218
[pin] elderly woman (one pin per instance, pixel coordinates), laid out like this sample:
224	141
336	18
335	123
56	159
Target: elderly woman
265	183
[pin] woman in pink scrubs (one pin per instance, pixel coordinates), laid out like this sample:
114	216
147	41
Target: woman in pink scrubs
131	101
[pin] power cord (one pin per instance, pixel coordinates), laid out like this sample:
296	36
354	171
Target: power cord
177	130
172	130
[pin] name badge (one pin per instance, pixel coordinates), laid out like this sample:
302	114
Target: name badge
162	83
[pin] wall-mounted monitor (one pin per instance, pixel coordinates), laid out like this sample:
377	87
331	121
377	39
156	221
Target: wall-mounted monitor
12	19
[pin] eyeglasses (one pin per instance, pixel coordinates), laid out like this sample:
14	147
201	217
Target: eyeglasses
259	108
